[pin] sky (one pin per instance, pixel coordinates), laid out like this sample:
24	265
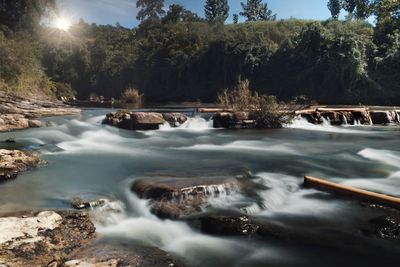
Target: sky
124	11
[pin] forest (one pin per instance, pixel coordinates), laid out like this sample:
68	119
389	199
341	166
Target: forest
177	55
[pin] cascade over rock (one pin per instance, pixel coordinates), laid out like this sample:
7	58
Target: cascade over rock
173	197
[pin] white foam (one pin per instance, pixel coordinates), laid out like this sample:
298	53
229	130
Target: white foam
303	124
388	157
244	146
192	124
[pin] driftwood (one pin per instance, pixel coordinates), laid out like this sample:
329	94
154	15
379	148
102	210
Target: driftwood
351	191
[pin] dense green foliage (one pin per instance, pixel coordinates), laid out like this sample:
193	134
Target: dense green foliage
182	57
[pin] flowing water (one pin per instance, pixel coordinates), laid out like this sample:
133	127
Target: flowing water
87	159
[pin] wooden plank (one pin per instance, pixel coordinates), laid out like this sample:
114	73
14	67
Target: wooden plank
213	110
351	191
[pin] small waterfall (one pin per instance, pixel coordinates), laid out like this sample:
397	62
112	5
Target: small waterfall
197	123
165	126
208	191
344	120
192	123
326	123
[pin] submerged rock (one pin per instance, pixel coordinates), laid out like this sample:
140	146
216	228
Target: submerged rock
174	197
115	255
42	239
387	227
13	162
134	120
224	223
81	204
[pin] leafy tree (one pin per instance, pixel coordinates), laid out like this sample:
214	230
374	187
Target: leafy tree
150	9
178	13
363	9
334	7
235	18
216	10
24	14
349	6
255	10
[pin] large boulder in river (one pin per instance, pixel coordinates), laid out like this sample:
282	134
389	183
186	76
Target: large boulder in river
233	120
173	197
381	117
13	162
109	254
42	239
135	120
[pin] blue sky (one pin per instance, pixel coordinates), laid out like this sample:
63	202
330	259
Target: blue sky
124	11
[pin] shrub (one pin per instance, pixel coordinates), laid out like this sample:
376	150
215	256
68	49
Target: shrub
132	96
63	91
266	110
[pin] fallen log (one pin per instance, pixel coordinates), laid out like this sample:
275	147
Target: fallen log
328	186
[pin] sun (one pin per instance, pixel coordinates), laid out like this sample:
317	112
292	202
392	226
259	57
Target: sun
63	24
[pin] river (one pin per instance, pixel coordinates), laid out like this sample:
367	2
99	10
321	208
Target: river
88	159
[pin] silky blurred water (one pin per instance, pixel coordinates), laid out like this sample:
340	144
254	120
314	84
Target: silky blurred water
86	158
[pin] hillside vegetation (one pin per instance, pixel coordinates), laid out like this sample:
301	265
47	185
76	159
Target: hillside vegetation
187	58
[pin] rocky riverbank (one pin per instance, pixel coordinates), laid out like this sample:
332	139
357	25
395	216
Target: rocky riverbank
18	113
68	239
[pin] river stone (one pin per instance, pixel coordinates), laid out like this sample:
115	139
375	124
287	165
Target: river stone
13	162
116	255
147	120
45	238
175	119
173	197
34	124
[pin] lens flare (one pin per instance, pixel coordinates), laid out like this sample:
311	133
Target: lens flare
62	24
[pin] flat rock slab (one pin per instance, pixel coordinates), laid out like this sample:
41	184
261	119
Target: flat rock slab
18	113
13	162
115	255
43	238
